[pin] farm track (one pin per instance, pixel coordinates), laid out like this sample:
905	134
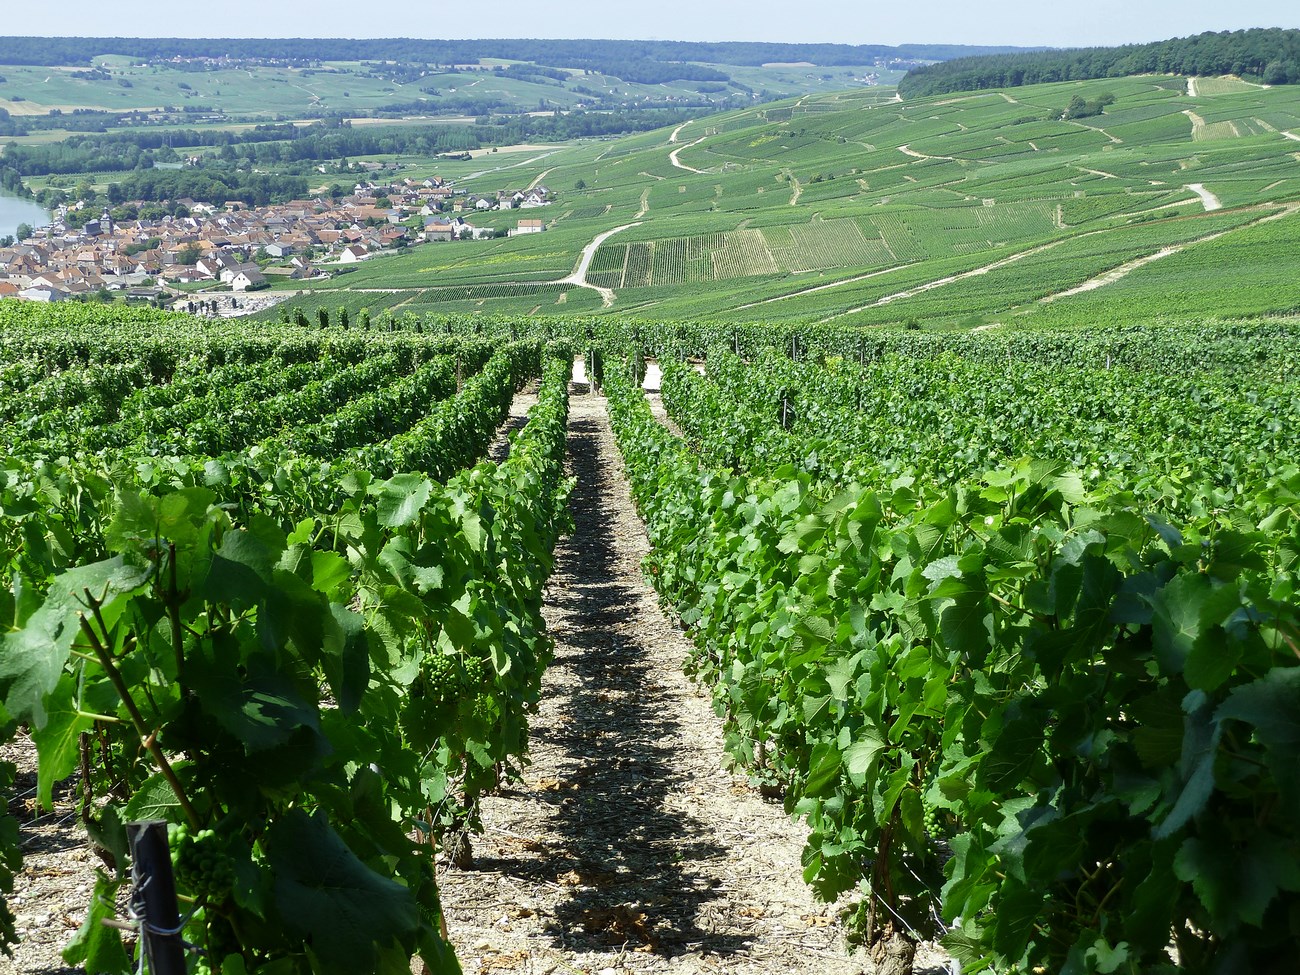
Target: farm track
907	151
579	276
950	279
627	847
1127	268
1117	273
676	161
521	163
823	287
1211	201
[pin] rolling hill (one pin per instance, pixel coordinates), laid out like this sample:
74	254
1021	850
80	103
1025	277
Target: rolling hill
862	207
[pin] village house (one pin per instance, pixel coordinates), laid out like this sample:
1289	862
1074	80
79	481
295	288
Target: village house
440	230
248	279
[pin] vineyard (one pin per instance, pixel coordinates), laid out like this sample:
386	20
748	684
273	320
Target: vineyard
860	189
1013	632
1007	619
265	586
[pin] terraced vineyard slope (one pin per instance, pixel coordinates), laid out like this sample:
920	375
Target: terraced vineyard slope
859	207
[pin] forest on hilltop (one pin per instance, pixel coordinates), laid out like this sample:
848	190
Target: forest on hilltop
1270	55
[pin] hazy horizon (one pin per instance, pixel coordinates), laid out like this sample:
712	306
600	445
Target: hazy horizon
1108	22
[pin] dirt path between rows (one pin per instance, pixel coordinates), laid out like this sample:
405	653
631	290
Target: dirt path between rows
524	400
628	848
53	888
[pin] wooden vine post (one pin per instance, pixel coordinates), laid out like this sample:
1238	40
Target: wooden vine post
153	897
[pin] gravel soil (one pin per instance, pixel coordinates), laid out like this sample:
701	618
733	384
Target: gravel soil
628	847
58	873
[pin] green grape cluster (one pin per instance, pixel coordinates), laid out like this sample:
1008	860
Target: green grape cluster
931	821
447	678
484	708
449	688
201	862
441	678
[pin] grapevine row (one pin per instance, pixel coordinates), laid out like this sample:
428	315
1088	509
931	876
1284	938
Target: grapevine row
1031	707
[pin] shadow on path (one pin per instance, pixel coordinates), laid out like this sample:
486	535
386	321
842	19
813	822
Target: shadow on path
625	860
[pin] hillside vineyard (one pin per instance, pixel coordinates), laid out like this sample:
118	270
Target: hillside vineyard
950	433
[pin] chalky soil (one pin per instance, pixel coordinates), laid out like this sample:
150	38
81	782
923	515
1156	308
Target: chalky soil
628	847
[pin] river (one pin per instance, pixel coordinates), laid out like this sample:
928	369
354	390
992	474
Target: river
14	211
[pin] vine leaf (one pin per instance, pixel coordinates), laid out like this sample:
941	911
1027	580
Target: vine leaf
240	571
262	712
1272	706
58	740
95	947
402	498
32	659
343	911
1200	746
155	799
859	756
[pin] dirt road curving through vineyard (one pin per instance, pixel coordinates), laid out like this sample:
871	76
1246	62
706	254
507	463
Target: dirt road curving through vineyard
628	848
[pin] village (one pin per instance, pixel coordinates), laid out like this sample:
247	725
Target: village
233	248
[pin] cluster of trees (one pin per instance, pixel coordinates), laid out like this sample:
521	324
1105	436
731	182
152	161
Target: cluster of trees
531	72
1081	107
564	53
8	126
1271	55
86	119
137	149
643	71
163	188
11	181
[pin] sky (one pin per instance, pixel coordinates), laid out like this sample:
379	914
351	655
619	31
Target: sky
1036	23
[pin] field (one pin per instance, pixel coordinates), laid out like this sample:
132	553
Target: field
121	84
916	571
823	206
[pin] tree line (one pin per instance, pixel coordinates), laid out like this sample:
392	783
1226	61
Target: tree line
283	146
163	189
560	53
1269	55
225	174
